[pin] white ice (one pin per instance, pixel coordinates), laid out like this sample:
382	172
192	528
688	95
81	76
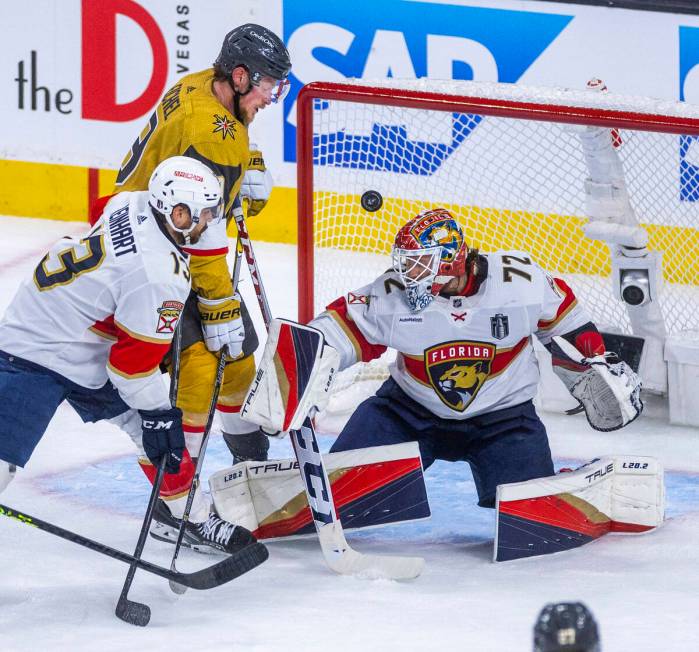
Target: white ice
55	595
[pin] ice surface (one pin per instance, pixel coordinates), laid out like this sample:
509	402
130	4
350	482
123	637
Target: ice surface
57	596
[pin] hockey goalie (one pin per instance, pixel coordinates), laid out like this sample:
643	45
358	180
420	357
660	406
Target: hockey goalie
465	374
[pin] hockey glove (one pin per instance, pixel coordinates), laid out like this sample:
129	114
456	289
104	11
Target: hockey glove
222	324
163	437
257	184
610	393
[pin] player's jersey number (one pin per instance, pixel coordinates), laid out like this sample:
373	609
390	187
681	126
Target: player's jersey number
180	266
509	270
72	262
137	150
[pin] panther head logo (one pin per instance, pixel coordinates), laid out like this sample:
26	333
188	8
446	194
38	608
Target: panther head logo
457	370
463	380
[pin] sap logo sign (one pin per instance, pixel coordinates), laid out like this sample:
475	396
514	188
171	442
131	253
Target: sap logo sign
689	92
403	39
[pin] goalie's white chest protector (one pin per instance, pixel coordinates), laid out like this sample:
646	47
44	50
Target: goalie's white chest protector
461	356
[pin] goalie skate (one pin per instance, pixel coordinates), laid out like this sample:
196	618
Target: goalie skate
210	536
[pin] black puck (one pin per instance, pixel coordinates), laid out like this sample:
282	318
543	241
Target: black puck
372	200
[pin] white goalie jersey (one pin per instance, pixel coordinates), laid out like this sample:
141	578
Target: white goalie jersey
464	355
105	306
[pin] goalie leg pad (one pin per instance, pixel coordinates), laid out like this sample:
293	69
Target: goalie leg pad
372	486
620	494
294	376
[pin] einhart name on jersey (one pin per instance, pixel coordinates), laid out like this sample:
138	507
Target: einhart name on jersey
121	232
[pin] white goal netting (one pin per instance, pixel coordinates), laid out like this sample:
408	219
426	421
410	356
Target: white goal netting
512	183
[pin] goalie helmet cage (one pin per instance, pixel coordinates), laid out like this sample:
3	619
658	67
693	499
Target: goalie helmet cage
507	161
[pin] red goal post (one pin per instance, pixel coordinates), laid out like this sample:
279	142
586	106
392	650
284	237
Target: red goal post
520	130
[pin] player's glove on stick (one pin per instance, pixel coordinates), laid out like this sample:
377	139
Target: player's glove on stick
257	183
294	377
609	393
222	324
163	437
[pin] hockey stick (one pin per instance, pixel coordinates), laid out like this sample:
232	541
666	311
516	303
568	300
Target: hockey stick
206	578
338	554
138	613
253	554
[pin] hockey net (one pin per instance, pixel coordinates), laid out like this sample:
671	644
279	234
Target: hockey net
507	161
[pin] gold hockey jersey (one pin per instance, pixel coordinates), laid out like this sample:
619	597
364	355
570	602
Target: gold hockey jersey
190	121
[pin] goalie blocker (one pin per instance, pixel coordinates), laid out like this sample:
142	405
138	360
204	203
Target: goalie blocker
294	377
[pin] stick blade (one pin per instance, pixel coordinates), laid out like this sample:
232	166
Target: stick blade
134	613
344	560
373	567
229	569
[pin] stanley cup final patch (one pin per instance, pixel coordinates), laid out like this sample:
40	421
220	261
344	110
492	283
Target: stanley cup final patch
168	315
499	326
457	370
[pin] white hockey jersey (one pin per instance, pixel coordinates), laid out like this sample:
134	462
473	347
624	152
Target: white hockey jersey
106	306
463	355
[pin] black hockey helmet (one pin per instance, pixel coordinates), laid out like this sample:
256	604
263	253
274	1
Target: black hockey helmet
566	627
256	48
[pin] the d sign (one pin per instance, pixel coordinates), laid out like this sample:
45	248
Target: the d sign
99	60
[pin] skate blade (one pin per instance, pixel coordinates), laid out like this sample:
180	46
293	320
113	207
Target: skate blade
168	535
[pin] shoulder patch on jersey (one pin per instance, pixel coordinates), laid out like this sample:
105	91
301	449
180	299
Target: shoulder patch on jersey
457	370
358	298
168	316
224	125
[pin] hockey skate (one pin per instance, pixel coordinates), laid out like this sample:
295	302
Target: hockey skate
209	536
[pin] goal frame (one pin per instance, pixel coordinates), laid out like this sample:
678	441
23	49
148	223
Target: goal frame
430	100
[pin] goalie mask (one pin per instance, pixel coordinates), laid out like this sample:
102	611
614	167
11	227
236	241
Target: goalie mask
428	252
184	181
566	627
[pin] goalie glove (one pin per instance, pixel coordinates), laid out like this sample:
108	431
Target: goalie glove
610	394
257	183
222	324
294	377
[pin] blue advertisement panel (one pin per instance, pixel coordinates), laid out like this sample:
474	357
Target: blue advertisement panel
334	40
689	65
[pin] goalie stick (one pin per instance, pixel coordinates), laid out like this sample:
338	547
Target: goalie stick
338	554
205	578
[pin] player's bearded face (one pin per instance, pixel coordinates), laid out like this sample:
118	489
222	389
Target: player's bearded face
262	94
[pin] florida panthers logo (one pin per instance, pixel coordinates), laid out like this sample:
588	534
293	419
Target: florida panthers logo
457	371
435	229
